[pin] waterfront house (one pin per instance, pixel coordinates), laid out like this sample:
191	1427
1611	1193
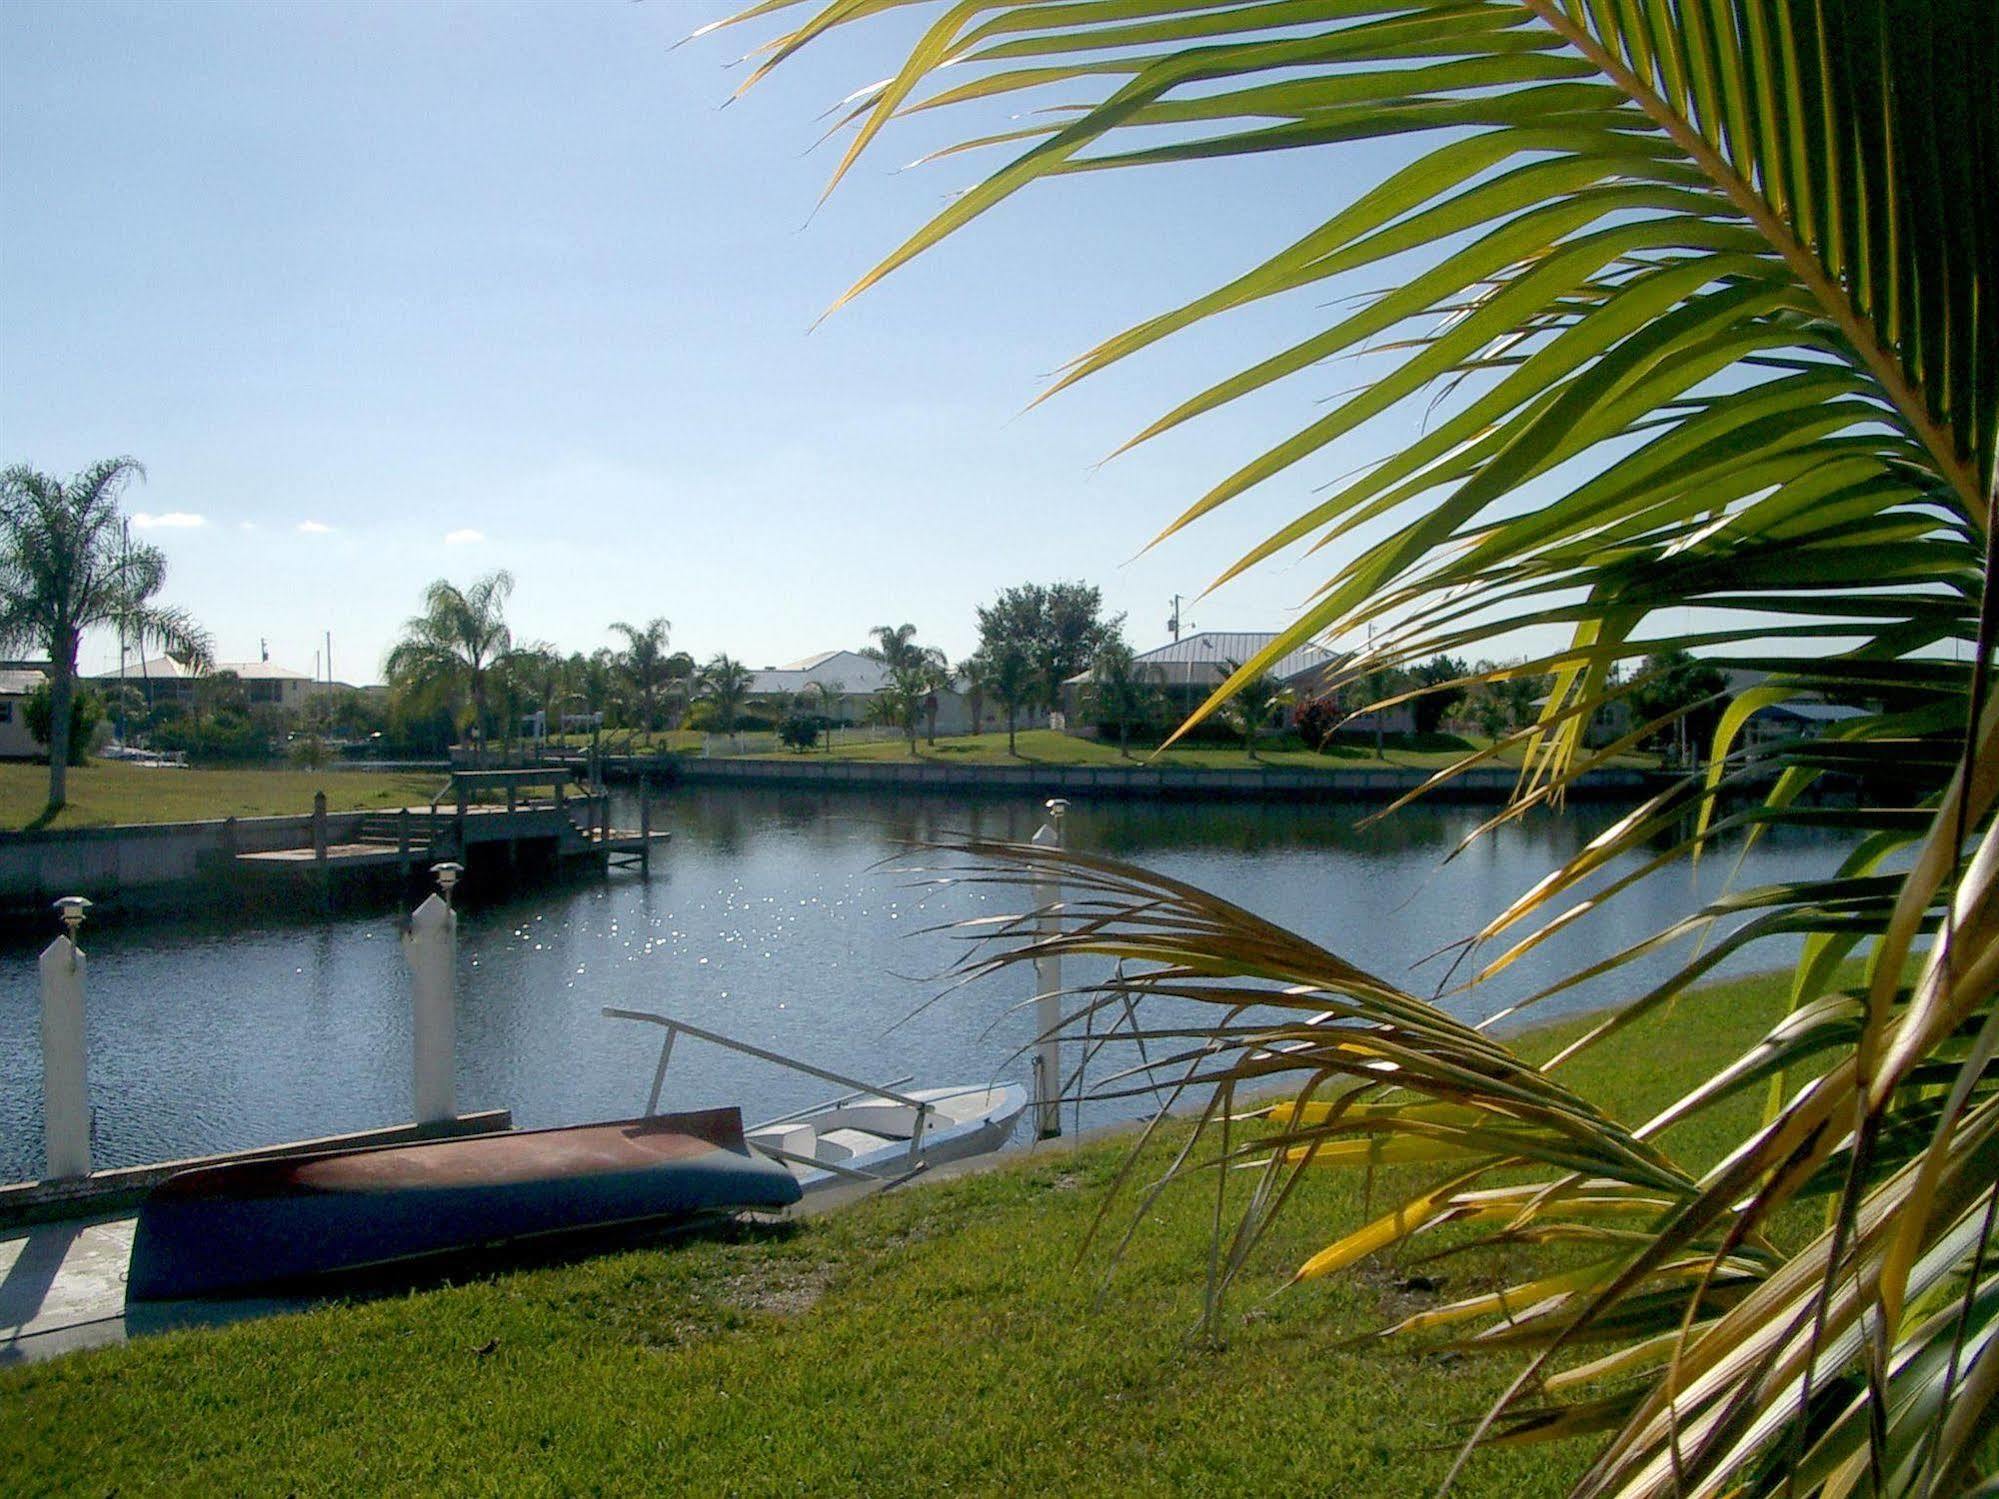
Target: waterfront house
1187	670
165	680
853	680
1798	719
17	680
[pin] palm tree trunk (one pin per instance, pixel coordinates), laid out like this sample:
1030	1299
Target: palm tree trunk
62	695
1011	713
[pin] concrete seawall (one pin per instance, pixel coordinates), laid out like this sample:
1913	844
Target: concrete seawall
1481	785
141	865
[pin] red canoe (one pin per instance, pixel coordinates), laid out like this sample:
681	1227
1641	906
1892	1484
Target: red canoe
220	1229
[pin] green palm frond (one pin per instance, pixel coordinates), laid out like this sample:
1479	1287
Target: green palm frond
1701	299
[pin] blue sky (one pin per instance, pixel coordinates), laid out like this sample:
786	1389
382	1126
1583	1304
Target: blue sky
387	292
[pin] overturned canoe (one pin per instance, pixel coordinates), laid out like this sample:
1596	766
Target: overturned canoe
220	1229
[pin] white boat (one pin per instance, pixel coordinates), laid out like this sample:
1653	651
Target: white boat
876	1134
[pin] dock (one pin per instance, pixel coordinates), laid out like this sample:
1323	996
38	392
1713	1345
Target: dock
508	824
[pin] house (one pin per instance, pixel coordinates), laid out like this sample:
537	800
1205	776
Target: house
17	680
845	682
165	680
1188	670
1794	720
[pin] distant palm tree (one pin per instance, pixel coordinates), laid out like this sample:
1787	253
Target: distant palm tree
914	672
542	667
646	665
725	684
832	695
66	566
1255	703
1005	672
1122	691
447	651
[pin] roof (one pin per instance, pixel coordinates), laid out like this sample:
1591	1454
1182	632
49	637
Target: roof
163	668
1200	657
1813	712
853	673
19	681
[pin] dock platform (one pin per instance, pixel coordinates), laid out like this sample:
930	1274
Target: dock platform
480	819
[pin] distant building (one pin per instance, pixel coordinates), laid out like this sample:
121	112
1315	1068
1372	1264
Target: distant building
17	680
1794	720
165	680
1188	670
851	681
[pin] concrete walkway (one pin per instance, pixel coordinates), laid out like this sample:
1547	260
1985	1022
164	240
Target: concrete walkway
62	1287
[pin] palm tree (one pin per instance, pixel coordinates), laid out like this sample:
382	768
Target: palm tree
647	666
1004	672
1254	704
725	684
1123	692
545	675
447	651
67	566
832	695
914	672
1704	294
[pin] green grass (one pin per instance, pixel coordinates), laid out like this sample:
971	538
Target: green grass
1047	747
945	1338
108	792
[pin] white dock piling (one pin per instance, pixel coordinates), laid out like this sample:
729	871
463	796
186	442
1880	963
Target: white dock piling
65	1078
431	946
1048	989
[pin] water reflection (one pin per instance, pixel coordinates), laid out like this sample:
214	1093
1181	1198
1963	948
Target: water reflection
771	917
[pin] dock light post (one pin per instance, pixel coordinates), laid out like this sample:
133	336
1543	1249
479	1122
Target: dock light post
65	1080
1048	987
431	945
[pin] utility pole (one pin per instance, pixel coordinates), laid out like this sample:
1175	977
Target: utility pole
1173	623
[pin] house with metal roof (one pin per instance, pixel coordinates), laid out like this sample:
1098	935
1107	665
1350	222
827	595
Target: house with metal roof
1188	670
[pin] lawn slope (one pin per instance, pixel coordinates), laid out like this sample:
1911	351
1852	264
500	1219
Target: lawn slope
944	1338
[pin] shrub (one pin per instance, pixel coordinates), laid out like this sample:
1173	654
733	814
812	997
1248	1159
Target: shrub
800	731
86	712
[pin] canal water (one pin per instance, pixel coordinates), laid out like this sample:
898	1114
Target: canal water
773	917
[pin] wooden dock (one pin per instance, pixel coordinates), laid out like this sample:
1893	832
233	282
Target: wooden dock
509	823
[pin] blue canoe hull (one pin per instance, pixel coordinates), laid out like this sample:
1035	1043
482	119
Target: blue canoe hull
226	1229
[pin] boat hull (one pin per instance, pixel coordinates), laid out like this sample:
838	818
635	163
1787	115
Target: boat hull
223	1229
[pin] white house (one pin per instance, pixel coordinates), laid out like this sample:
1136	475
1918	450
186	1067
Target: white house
164	679
17	680
1794	720
849	680
1188	670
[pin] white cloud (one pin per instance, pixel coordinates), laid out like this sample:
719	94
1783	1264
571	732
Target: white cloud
173	520
464	536
246	525
314	528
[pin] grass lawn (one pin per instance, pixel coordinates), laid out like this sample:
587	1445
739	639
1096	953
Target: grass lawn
1046	747
108	792
944	1338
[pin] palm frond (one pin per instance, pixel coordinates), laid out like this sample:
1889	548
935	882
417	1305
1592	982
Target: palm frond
1700	300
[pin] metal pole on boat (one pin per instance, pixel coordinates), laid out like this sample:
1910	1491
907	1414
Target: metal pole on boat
431	946
65	1082
1048	988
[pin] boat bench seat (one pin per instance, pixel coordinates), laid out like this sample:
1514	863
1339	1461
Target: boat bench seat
794	1139
897	1121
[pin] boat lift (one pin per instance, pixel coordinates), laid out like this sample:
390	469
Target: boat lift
924	1109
